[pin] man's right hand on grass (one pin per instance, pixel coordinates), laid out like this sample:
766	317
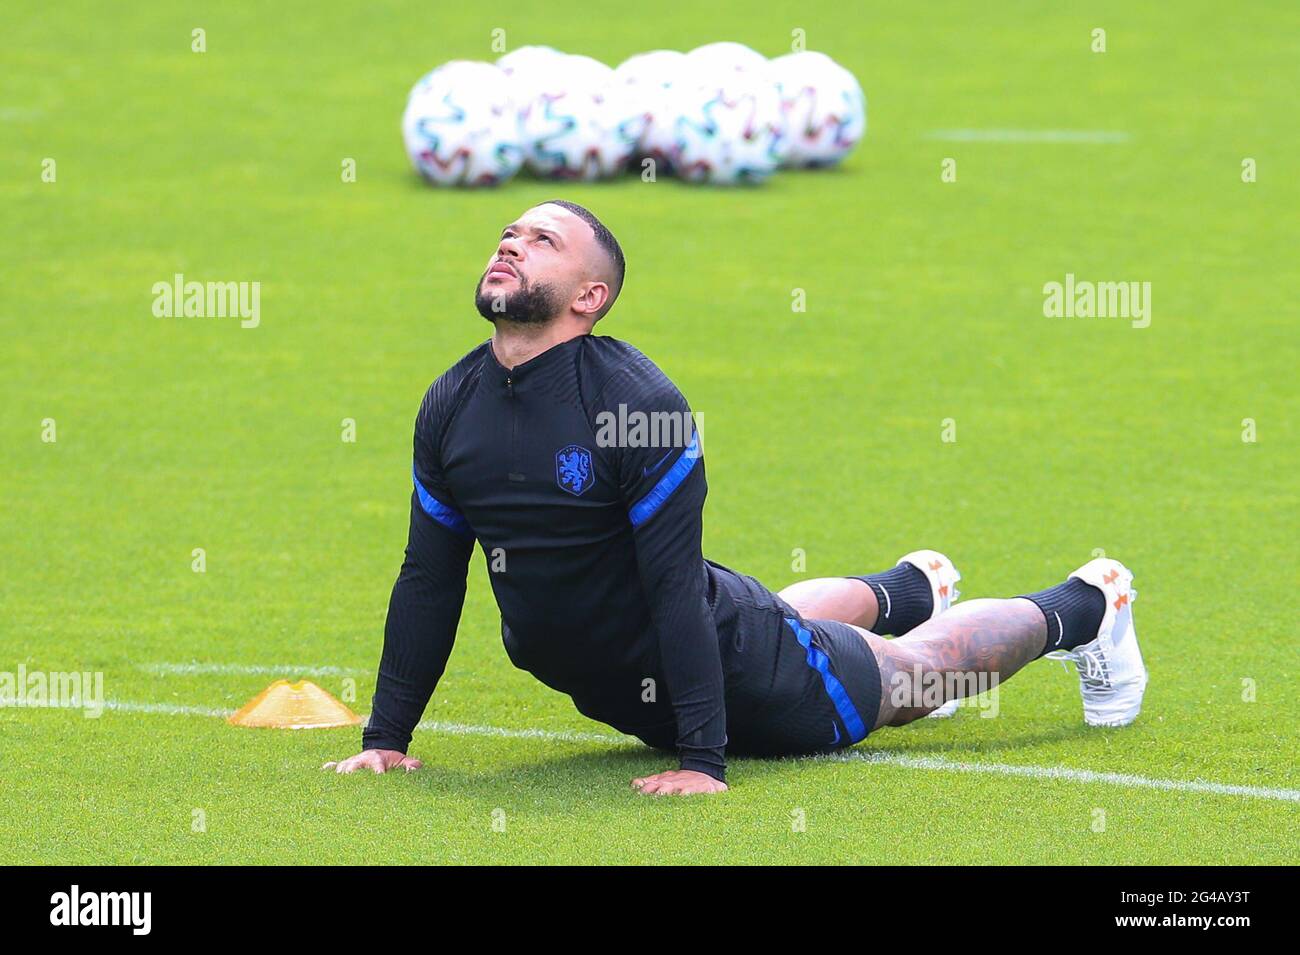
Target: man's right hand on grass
376	760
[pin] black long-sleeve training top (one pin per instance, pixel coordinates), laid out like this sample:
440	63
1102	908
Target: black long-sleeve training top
582	478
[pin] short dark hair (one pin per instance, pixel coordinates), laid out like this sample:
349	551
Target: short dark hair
604	238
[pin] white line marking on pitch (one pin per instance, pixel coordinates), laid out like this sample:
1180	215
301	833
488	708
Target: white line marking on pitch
166	709
1067	774
565	736
432	726
1063	773
1030	135
263	669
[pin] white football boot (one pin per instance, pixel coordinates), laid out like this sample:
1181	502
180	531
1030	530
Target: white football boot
1112	677
943	577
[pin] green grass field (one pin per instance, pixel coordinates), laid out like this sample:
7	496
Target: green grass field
924	303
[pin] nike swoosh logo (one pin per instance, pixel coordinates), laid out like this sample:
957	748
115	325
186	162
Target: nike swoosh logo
835	726
655	467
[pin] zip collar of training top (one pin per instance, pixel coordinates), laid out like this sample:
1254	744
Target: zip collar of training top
542	360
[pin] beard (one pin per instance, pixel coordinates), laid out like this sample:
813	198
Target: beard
528	304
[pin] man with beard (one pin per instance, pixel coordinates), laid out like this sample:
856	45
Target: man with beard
592	541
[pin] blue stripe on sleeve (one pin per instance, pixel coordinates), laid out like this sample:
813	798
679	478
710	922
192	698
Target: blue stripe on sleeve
449	517
645	508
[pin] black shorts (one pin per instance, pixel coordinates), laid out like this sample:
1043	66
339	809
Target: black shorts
794	687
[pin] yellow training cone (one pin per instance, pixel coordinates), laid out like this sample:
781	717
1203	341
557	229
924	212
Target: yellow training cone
293	706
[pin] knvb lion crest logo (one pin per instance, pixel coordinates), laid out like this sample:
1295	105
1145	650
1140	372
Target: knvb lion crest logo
573	469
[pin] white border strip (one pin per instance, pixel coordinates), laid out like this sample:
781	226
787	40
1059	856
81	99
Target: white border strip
1030	135
1061	773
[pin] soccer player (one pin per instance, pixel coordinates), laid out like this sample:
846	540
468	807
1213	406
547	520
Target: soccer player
573	461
